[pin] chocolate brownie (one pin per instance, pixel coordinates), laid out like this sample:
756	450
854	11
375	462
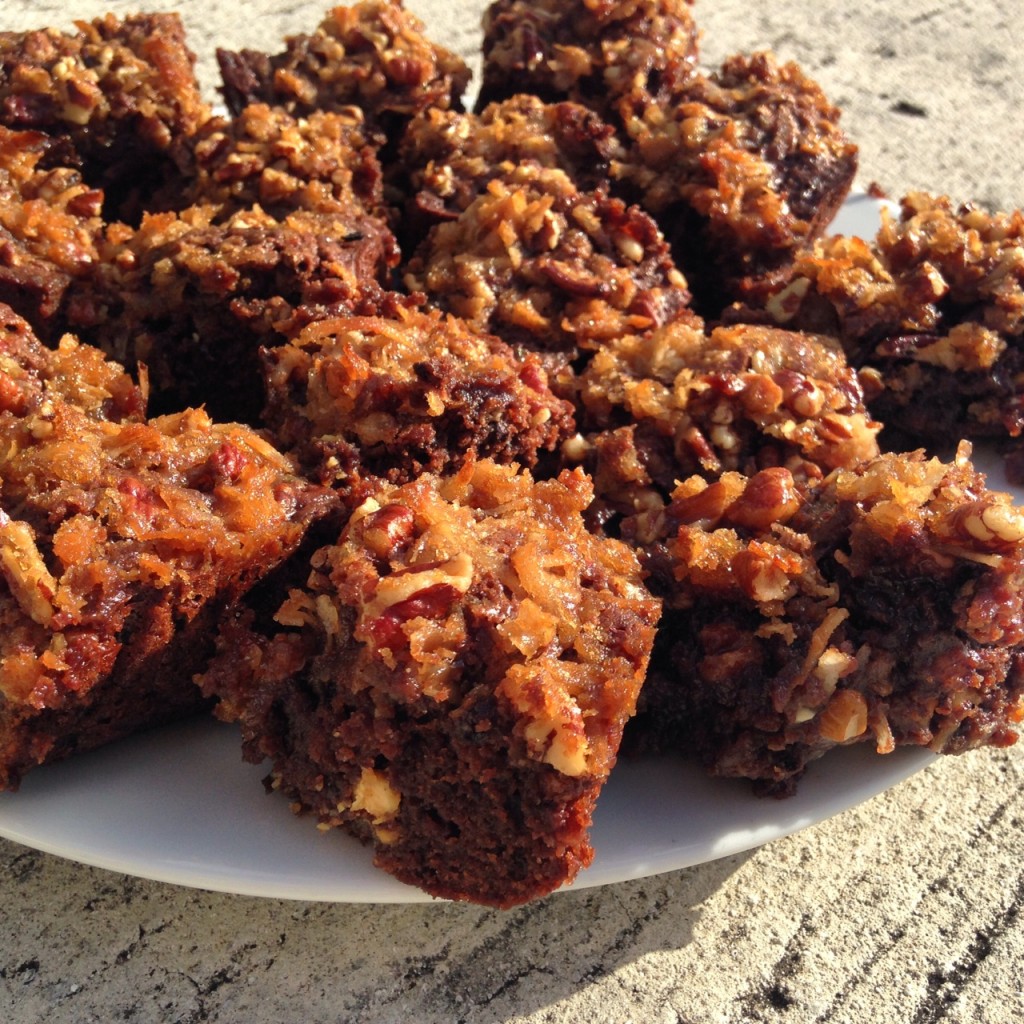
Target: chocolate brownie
121	93
616	56
372	55
447	158
265	157
451	681
547	267
120	539
882	604
658	407
50	227
370	397
746	166
194	300
932	309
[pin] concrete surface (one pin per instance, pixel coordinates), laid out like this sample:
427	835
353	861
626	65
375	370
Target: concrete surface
906	909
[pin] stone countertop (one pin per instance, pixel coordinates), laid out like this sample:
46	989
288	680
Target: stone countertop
905	909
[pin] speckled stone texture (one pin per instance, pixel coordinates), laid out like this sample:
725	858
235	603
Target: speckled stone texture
905	909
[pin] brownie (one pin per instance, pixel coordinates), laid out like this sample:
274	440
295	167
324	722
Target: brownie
744	168
882	604
547	267
77	374
447	158
740	167
50	227
194	300
372	55
359	398
452	681
121	93
658	407
265	157
120	539
933	309
616	56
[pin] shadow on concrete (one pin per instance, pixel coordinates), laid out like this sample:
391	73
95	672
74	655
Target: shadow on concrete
492	966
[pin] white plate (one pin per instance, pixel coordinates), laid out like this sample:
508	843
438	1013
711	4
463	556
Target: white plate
178	805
